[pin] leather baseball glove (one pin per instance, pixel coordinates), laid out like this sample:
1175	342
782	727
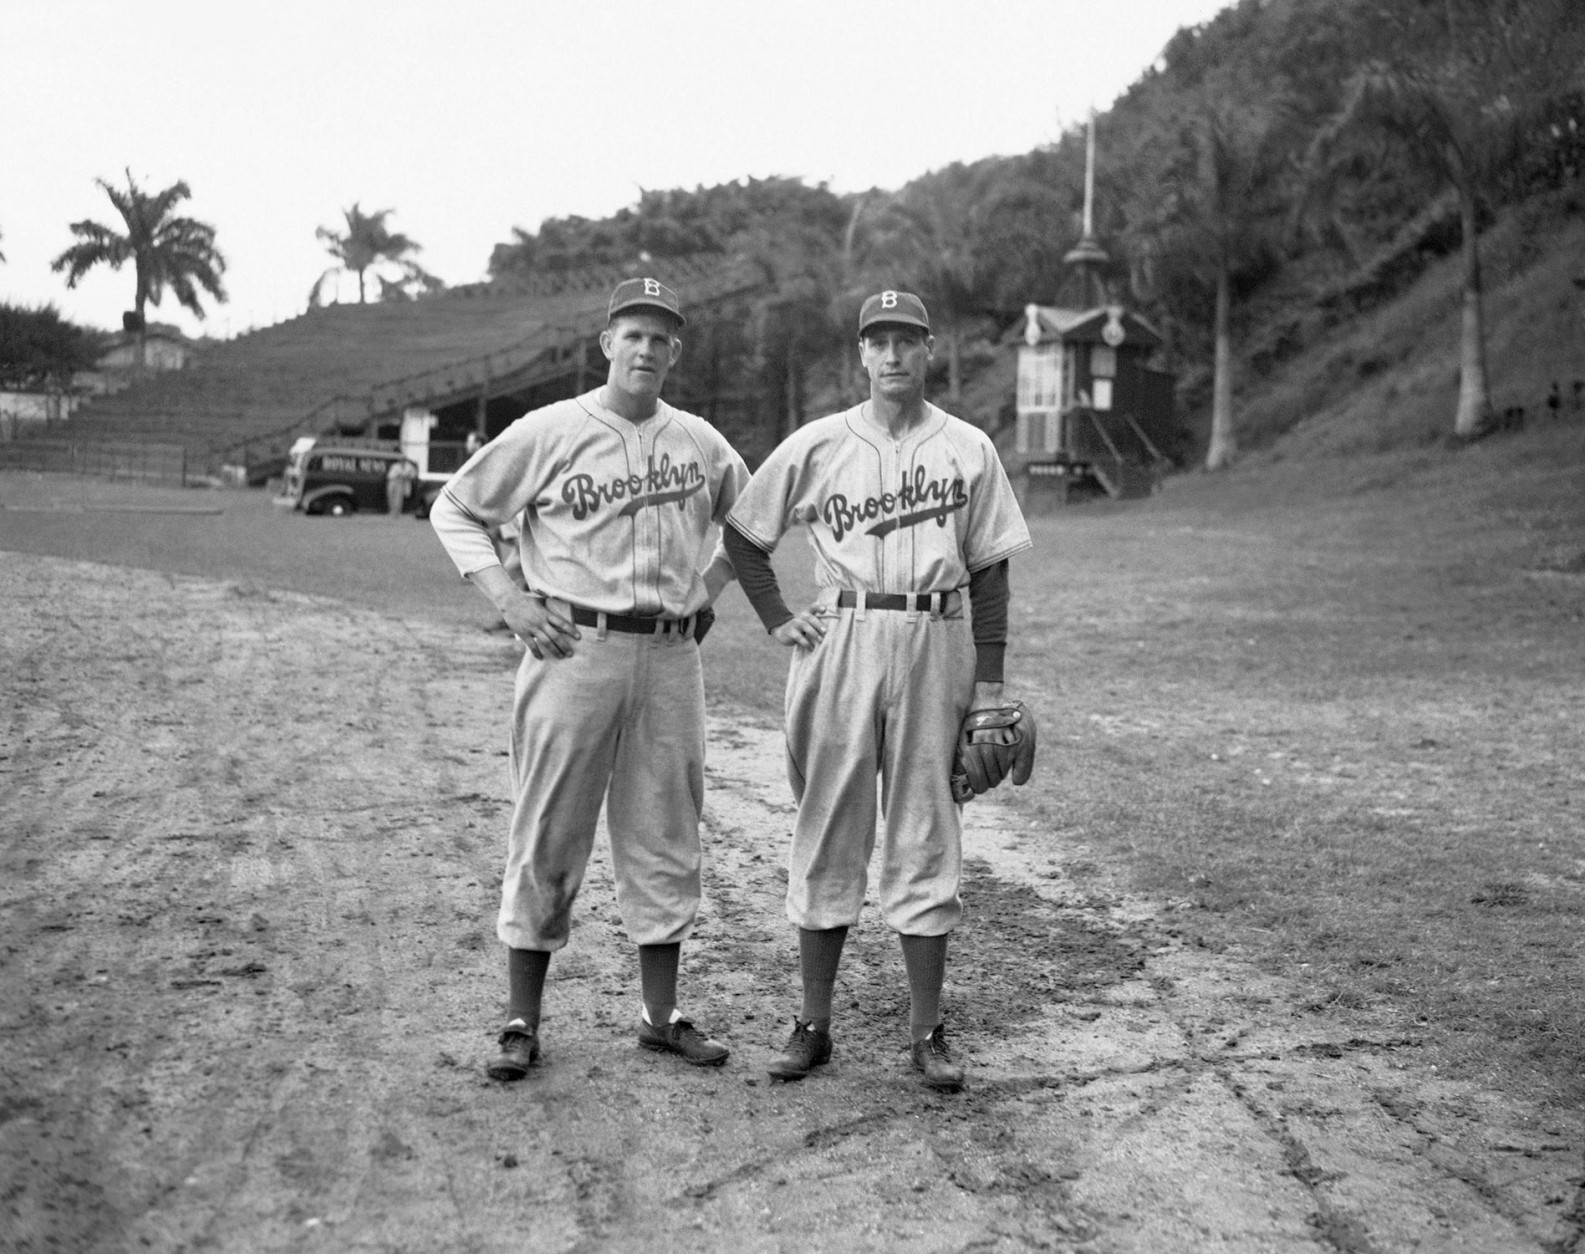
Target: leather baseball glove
993	744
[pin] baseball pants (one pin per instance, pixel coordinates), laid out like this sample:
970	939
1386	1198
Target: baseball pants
883	694
621	720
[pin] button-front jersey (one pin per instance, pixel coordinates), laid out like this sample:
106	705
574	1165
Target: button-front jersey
615	514
915	513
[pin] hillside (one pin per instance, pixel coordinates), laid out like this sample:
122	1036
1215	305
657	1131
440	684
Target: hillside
1387	377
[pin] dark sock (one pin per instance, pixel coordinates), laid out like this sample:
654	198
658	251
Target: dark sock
525	974
926	960
657	978
819	954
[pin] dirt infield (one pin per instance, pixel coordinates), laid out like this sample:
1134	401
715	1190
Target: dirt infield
253	790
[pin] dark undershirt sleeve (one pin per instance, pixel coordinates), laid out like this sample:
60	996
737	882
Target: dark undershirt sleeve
988	594
757	578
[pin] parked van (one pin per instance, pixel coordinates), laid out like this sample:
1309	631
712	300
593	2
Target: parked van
329	477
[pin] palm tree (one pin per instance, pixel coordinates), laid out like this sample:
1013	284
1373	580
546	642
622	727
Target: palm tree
1460	105
165	250
1212	218
366	243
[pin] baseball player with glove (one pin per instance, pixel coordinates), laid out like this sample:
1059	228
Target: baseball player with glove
616	492
905	507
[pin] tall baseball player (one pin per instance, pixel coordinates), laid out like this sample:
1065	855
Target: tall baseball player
905	507
616	492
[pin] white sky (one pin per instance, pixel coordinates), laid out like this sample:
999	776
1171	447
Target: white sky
469	117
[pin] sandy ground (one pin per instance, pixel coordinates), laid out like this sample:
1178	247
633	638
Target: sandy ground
248	980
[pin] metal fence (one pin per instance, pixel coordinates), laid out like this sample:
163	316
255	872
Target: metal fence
149	463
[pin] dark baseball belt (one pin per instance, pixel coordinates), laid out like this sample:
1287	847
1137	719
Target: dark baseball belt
922	602
633	624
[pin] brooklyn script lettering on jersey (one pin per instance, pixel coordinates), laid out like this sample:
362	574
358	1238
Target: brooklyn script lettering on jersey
918	499
661	484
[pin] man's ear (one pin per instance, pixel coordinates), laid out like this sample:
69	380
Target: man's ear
930	347
605	343
676	350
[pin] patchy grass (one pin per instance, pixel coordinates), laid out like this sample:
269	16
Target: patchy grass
1333	716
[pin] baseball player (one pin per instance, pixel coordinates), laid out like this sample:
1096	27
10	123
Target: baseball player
905	507
616	492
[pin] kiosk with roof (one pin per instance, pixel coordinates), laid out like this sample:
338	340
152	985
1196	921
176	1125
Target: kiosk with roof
1094	411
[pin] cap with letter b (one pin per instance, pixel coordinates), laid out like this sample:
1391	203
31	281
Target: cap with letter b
894	308
645	294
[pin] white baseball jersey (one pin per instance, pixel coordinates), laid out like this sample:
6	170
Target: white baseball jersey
615	516
614	513
884	692
914	514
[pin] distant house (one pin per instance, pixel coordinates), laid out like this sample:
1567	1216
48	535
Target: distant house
165	348
116	368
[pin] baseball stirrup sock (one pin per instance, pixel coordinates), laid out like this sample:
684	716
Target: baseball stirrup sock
657	978
926	960
525	974
819	954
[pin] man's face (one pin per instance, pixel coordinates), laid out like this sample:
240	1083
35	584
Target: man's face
896	358
641	348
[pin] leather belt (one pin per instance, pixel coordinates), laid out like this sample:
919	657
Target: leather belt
632	624
921	602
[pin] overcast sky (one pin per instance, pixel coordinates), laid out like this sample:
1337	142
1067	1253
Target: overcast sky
469	117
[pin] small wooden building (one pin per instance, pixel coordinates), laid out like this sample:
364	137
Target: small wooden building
1092	410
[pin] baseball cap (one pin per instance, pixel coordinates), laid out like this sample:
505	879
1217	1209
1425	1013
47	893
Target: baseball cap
902	308
644	294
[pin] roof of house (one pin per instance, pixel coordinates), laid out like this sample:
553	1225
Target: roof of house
1106	324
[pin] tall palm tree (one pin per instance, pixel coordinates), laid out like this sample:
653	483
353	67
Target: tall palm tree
1460	103
166	251
366	243
1212	217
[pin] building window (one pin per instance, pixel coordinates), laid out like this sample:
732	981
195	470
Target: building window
1103	361
1039	378
1103	393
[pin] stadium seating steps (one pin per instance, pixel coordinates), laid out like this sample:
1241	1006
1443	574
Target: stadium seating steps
372	356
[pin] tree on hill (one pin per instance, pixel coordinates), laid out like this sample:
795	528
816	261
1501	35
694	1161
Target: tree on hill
166	250
368	243
1210	219
798	317
40	350
1462	92
928	237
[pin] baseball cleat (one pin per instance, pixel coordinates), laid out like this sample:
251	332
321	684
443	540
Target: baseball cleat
807	1048
934	1059
681	1037
519	1052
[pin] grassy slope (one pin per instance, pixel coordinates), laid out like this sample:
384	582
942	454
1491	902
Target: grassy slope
1332	704
1389	378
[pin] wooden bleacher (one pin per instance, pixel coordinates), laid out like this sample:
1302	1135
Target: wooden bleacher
244	398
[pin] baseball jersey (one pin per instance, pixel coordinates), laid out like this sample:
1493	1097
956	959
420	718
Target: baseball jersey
914	513
614	514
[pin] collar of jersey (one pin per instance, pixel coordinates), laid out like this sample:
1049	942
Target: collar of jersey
872	433
592	405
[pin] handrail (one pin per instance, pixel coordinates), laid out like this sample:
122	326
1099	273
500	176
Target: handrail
1150	445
